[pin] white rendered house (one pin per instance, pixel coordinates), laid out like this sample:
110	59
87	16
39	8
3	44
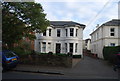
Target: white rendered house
61	37
108	34
87	44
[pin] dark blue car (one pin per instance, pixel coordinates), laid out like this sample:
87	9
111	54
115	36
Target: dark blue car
9	59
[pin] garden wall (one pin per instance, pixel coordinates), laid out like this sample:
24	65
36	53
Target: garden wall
46	60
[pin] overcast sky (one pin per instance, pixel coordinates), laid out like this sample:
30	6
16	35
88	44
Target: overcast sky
88	12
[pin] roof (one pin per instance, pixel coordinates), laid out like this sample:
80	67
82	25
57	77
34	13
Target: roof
114	22
65	23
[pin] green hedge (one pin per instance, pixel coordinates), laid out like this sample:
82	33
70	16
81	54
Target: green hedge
59	54
76	56
109	52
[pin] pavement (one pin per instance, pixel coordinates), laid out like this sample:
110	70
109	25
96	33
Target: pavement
87	68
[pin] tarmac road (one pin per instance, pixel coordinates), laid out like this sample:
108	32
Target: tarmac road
88	68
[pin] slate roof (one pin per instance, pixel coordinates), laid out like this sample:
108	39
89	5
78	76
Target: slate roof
65	23
114	22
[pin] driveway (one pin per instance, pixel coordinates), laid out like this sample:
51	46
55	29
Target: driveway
93	68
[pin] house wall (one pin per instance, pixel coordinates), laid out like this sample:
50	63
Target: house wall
101	37
88	45
53	39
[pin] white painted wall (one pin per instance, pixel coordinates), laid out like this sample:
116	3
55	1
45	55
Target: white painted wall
104	39
63	39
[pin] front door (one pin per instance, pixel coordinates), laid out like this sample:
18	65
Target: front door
71	47
58	48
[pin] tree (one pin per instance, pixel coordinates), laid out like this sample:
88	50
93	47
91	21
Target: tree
21	18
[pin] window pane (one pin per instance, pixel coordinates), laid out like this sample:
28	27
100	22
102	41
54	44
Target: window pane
112	44
71	31
76	32
65	47
71	47
49	32
112	34
44	33
112	29
58	32
9	54
66	32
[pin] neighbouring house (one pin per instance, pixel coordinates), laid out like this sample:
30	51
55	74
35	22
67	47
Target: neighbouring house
86	44
61	37
26	40
108	34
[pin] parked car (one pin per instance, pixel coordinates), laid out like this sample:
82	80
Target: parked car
117	61
118	53
9	59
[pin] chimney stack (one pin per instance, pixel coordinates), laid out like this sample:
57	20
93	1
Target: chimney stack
97	26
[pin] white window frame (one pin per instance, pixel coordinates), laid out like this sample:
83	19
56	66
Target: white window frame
76	47
44	47
65	47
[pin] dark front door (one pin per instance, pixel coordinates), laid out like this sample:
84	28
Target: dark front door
58	48
71	47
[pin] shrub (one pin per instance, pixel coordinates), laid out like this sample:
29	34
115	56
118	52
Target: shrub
50	53
20	51
61	54
109	53
76	56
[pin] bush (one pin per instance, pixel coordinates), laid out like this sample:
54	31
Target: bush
61	54
109	53
20	51
76	56
50	53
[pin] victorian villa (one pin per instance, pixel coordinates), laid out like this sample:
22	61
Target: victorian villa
108	34
61	37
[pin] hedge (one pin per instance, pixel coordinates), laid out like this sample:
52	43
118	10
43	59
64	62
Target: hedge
109	53
76	56
58	54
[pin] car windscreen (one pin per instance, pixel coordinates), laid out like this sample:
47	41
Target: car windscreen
9	54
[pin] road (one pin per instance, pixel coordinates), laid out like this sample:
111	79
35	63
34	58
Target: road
25	75
88	68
